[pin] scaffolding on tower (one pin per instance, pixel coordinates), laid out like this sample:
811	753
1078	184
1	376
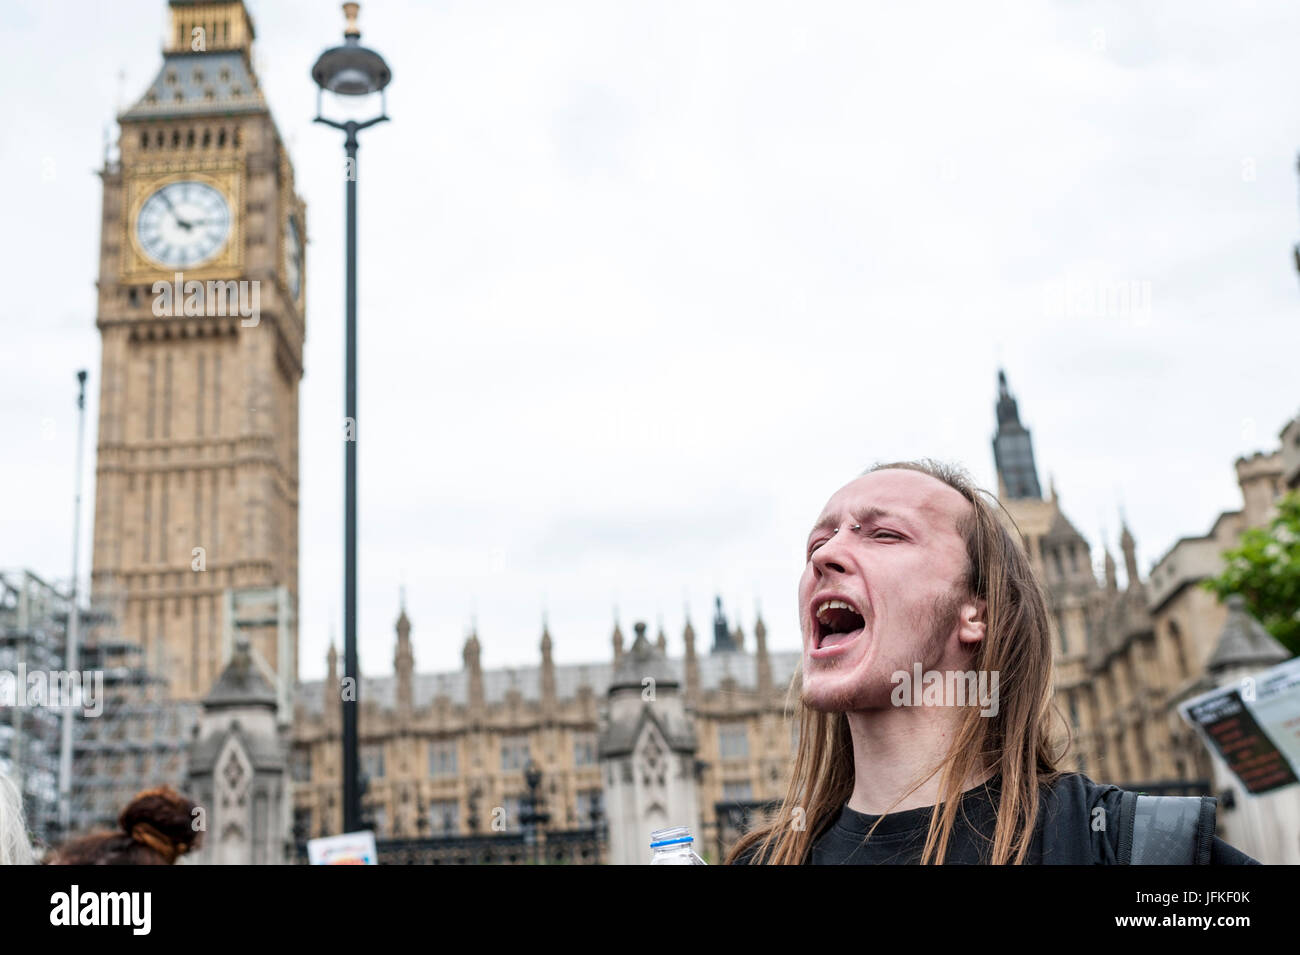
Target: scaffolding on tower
127	736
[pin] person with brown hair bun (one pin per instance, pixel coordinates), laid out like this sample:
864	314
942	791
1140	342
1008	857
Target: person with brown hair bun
157	828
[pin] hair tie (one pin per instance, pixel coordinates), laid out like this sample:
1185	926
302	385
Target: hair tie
146	834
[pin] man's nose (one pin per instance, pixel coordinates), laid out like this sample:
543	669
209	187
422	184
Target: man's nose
829	558
830	566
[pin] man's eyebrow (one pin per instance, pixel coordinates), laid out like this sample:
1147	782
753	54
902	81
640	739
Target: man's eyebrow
861	515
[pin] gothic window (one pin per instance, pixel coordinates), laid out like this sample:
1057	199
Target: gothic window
444	817
514	752
301	766
733	741
372	760
1180	652
442	759
588	806
584	749
737	791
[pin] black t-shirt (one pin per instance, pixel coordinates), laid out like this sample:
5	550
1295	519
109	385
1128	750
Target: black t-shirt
900	837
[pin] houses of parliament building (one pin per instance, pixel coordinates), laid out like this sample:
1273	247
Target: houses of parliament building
196	531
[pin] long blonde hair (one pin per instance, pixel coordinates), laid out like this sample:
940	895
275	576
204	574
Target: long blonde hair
1016	742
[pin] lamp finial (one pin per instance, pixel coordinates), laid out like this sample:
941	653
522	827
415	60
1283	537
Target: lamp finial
350	11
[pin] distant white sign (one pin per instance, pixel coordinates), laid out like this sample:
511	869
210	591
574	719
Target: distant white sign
351	848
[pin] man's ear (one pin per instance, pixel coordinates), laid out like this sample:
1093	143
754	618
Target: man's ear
971	621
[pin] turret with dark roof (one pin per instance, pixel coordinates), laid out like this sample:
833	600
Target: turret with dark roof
1243	642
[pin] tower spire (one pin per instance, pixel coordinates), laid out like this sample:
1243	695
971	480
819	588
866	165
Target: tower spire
1129	546
617	639
1013	448
404	662
723	639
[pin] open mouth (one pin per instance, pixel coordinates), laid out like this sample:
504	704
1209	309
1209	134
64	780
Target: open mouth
837	622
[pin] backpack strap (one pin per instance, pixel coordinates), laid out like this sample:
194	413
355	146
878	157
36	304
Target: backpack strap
1165	830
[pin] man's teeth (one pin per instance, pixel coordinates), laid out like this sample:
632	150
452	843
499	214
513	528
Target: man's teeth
833	605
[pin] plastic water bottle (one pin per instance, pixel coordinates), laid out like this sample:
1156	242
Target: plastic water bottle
675	846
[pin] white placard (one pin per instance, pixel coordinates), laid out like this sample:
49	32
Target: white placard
351	848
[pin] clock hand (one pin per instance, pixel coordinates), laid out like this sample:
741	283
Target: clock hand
176	215
171	208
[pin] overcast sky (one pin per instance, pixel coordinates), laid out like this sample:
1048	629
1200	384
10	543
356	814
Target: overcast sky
643	283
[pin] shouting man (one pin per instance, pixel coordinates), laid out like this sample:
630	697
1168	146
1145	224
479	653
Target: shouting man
909	577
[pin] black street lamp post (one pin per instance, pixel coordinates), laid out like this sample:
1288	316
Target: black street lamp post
351	70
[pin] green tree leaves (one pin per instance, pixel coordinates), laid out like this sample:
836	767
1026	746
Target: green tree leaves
1265	569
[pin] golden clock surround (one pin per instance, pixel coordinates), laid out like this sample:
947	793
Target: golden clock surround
136	265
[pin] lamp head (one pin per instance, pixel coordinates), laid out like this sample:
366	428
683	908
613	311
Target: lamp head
351	69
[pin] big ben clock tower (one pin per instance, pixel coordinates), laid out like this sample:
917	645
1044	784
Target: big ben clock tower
202	316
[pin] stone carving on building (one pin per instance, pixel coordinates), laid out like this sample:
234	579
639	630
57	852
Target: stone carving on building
238	769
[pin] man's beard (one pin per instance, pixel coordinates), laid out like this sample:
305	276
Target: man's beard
939	625
943	620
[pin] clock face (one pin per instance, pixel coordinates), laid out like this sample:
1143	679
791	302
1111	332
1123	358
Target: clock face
183	223
293	257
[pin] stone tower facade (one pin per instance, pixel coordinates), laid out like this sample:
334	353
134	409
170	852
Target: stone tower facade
202	315
647	752
239	769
